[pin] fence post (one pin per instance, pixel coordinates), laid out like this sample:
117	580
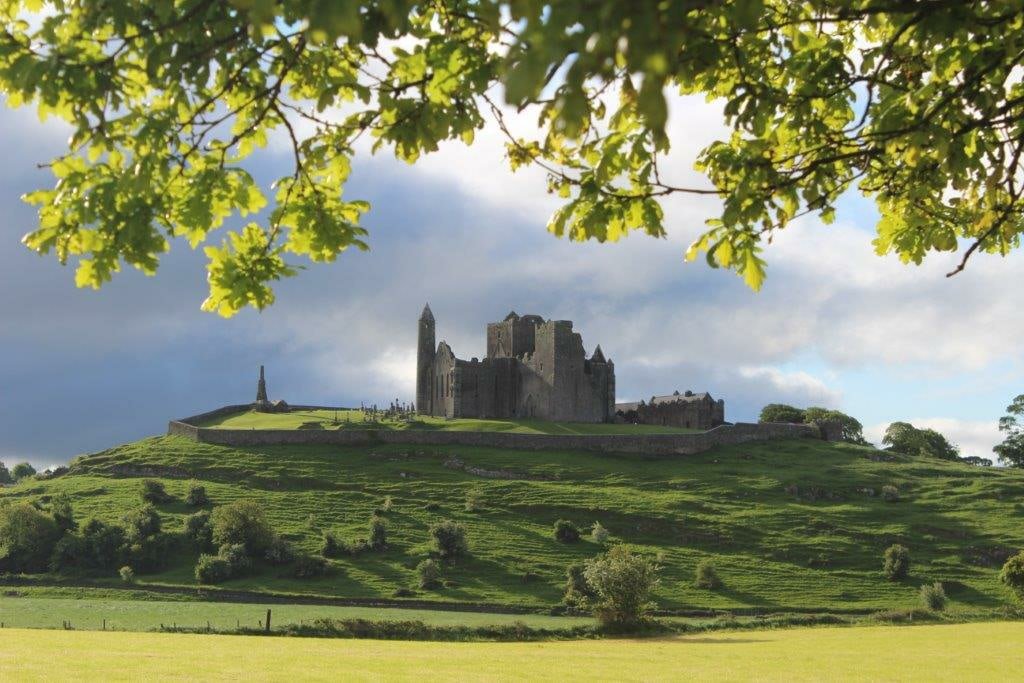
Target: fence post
267	629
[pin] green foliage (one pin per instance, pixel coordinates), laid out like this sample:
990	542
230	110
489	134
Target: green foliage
153	492
890	494
903	437
279	551
236	557
1012	574
916	106
566	532
141	523
1011	450
212	569
63	516
127	574
896	562
196	496
933	596
577	591
706	576
428	573
449	539
309	566
23	470
103	545
242	522
852	429
5	475
199	530
599	534
27	538
332	546
780	412
622	583
378	533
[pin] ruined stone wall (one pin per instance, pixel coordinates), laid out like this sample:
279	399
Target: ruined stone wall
639	444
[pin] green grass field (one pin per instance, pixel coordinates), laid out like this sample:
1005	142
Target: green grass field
967	652
93	613
789	525
355	419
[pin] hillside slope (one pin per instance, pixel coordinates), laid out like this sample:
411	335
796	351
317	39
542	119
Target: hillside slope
789	525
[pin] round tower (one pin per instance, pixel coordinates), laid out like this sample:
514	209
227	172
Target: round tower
425	350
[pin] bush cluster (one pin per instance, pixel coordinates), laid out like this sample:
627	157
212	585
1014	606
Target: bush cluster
428	572
449	539
577	591
566	532
1012	574
896	562
622	583
154	493
196	495
933	597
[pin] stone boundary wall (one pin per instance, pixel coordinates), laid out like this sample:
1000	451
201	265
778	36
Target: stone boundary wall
643	444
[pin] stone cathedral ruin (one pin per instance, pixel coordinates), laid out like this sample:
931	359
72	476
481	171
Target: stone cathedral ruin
534	368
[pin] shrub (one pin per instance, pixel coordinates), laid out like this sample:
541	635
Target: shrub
933	597
22	470
577	591
429	573
449	539
1012	574
69	551
890	494
706	576
566	531
622	583
279	551
127	574
212	569
153	492
332	546
378	533
199	530
103	545
141	523
236	558
28	537
431	507
309	566
403	593
196	495
896	562
387	504
780	412
598	533
63	516
242	522
152	553
5	475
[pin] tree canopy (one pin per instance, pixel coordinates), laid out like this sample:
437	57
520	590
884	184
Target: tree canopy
916	103
903	437
1011	450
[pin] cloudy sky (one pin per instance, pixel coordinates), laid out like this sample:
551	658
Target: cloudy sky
835	325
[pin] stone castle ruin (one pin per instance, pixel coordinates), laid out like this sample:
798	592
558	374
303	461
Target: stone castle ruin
687	409
534	368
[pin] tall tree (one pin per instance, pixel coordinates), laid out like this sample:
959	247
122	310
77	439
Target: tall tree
1011	450
916	103
903	437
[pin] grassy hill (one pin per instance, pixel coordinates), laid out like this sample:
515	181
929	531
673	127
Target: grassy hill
789	525
356	419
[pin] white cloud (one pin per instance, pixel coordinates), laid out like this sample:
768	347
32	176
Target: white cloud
778	382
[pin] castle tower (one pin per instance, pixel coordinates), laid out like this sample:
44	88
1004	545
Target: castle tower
261	389
425	350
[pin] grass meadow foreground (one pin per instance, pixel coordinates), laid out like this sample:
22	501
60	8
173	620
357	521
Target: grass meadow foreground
975	652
